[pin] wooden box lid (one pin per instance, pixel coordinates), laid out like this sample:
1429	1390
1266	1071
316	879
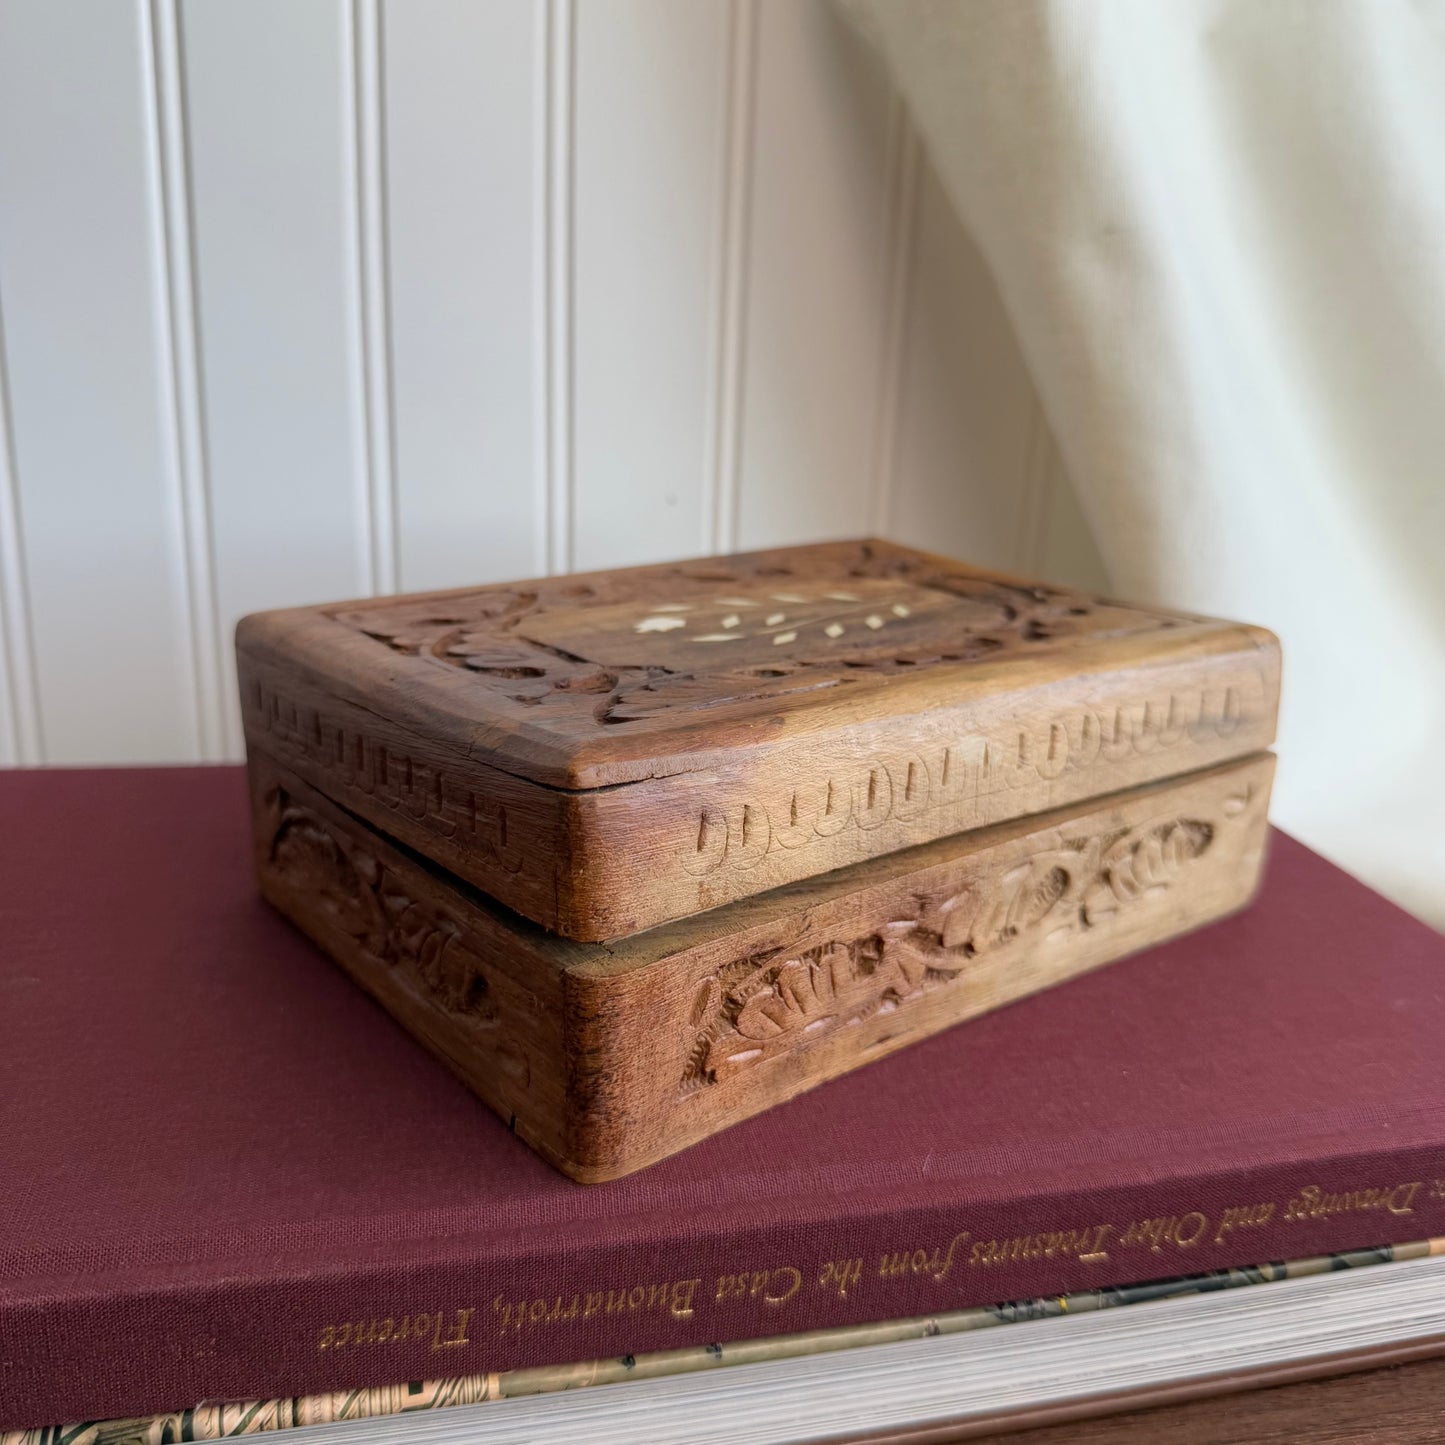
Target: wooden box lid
603	752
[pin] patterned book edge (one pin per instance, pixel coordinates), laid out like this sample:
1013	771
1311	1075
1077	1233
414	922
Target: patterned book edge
254	1417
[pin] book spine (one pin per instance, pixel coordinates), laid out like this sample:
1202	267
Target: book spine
284	1329
255	1417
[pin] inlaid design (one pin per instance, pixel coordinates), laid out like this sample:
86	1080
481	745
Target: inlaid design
714	637
744	617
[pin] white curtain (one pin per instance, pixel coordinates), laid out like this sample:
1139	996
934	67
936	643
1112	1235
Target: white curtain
1219	230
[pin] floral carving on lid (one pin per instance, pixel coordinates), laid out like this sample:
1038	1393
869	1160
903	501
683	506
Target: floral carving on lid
734	633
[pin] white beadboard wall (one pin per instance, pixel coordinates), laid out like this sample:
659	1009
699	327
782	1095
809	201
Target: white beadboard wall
305	299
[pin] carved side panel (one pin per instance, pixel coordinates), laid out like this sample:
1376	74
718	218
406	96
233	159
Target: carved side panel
606	1058
762	1007
362	902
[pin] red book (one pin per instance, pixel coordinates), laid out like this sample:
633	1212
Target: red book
227	1174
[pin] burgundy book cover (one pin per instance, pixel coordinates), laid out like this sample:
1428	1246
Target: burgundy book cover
227	1174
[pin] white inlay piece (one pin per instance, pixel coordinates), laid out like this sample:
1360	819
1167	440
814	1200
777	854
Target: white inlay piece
731	620
660	624
842	596
719	637
773	618
874	621
788	597
899	610
834	629
784	637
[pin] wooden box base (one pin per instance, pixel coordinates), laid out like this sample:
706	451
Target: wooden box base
608	1057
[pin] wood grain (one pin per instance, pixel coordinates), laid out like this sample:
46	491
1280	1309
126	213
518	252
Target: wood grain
606	752
606	1058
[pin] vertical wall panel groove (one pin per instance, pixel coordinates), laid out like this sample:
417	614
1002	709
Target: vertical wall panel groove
817	248
463	132
373	352
98	569
177	337
725	441
363	295
542	284
272	127
17	651
560	92
647	185
902	190
367	525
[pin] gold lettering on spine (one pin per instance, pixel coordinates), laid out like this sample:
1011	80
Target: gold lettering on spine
781	1285
946	1268
1187	1231
773	1286
671	1297
1244	1216
1316	1203
441	1332
841	1275
1402	1199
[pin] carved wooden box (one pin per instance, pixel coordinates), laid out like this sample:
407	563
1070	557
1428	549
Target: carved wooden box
641	853
602	753
607	1057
